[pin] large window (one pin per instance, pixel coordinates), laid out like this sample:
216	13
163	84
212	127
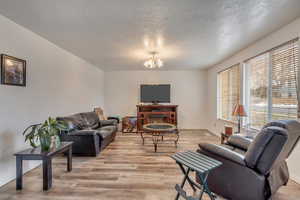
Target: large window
271	85
229	91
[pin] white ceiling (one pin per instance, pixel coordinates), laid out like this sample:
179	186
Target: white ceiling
117	34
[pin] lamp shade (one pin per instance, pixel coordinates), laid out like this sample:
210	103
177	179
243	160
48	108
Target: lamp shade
239	111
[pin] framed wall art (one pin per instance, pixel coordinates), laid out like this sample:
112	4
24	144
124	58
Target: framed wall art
13	71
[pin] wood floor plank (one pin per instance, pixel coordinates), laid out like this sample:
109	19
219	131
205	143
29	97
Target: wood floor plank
125	170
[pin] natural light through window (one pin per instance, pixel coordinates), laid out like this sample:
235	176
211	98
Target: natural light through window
271	85
229	91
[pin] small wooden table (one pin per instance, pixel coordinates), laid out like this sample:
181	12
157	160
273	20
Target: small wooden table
202	165
224	137
46	157
158	131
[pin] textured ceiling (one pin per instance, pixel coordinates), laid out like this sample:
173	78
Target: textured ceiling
118	34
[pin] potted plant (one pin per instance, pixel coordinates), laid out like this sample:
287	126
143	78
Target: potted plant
44	133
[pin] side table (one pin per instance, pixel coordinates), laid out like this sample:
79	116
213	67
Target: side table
224	138
46	157
129	124
202	165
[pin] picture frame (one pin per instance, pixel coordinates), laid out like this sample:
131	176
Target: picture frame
13	71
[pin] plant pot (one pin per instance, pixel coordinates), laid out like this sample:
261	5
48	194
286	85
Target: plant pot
57	141
45	142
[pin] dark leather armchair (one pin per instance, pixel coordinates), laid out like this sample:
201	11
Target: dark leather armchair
253	169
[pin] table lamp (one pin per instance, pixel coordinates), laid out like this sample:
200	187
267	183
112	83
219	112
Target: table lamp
239	111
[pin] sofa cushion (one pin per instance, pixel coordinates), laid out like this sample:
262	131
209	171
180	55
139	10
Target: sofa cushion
104	133
90	120
74	122
109	128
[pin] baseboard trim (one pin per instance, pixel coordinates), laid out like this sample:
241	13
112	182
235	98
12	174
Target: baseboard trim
214	134
27	171
192	129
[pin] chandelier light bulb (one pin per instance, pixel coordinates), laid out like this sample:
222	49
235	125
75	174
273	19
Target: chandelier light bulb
153	62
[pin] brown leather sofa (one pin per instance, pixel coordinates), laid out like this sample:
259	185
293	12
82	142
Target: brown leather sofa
253	169
88	134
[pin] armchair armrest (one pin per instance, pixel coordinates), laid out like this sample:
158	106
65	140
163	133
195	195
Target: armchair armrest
223	152
109	122
239	141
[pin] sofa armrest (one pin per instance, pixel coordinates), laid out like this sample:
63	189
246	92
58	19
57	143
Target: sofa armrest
83	133
109	122
239	141
223	152
85	142
114	118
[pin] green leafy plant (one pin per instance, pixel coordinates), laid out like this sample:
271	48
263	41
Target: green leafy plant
44	132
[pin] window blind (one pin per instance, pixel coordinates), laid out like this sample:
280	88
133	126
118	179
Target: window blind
272	85
229	91
285	63
257	80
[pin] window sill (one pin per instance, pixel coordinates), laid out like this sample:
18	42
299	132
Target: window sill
228	121
236	124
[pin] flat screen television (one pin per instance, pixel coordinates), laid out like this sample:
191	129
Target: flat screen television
155	93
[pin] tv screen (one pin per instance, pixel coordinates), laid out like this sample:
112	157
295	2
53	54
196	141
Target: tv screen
155	93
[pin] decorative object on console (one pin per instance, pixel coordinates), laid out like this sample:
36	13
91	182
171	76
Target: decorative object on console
239	111
13	71
154	61
46	133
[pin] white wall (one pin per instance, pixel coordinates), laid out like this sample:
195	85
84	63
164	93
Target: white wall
286	33
188	90
58	83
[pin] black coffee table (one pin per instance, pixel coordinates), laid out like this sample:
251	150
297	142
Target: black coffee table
158	131
46	157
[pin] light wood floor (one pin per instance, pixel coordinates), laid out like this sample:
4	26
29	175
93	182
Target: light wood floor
125	170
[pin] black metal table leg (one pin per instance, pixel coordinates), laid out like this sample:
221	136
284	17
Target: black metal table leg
143	138
155	140
19	168
69	168
188	178
205	189
202	165
183	181
47	173
176	141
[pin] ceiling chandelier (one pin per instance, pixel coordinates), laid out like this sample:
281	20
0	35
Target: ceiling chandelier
153	61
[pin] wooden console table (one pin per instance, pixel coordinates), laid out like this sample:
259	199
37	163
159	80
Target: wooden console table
156	114
46	157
